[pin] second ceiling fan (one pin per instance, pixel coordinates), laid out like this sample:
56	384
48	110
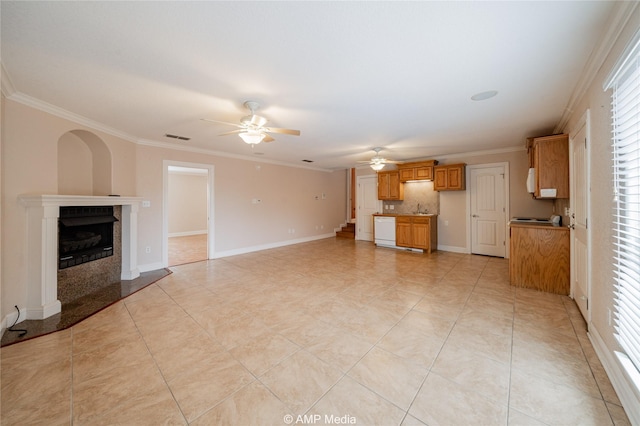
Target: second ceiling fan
378	162
252	127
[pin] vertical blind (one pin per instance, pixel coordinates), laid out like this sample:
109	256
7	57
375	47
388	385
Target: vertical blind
626	214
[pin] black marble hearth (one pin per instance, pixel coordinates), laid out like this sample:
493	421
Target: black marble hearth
76	310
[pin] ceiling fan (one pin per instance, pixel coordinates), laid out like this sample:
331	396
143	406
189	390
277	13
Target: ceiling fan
378	162
252	127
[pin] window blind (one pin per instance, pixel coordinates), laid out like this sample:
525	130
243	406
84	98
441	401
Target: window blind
626	215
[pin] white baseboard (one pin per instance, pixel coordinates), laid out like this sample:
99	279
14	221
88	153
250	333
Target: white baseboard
150	267
244	250
454	249
626	391
187	233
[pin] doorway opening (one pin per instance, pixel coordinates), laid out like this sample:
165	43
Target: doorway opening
188	218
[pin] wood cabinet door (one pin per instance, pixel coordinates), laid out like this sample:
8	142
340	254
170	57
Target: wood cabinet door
439	178
383	186
455	177
403	232
551	161
406	174
420	234
394	186
425	173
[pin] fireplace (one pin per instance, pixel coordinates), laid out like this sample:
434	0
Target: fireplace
85	234
43	213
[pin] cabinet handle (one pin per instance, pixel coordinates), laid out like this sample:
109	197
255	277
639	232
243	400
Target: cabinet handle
475	215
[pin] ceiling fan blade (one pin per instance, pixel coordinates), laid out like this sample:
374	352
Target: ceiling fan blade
268	138
222	122
283	131
232	132
257	120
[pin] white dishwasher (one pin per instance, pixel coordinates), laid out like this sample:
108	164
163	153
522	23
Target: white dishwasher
385	230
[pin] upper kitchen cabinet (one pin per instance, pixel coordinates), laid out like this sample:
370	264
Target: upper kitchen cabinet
421	170
549	158
389	186
449	177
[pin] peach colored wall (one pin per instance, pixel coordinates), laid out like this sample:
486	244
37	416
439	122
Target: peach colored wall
75	166
187	203
2	325
287	194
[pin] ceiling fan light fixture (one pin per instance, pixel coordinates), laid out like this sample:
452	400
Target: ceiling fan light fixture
252	137
377	166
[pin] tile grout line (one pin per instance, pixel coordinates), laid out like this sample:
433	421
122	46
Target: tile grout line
155	362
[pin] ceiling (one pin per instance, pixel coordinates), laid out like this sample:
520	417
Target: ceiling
350	76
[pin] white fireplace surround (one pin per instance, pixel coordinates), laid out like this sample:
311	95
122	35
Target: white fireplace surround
42	245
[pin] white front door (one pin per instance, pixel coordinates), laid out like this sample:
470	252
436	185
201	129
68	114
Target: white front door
488	211
579	199
367	205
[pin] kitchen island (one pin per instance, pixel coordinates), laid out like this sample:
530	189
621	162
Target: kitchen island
539	257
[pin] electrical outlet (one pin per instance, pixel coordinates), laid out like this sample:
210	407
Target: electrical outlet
147	249
146	203
567	211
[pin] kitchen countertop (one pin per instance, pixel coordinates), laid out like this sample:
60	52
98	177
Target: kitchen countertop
403	214
544	225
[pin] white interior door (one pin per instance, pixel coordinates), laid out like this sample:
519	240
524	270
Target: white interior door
488	210
579	200
367	205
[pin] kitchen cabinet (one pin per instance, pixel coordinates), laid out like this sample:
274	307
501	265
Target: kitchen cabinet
449	177
389	186
539	257
549	157
417	232
421	170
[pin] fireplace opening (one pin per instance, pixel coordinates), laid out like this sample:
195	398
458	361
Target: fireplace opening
85	234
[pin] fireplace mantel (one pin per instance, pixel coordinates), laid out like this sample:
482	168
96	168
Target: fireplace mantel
42	245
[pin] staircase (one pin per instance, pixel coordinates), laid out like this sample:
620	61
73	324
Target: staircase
347	231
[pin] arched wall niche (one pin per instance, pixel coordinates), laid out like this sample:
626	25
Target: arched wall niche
84	164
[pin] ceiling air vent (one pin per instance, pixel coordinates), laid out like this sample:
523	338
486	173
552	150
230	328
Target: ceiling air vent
182	138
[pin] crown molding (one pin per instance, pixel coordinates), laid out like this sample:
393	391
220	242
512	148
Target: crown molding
86	122
619	17
5	82
480	153
68	115
164	145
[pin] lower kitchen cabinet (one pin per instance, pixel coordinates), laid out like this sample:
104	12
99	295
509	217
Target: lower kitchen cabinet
417	232
539	258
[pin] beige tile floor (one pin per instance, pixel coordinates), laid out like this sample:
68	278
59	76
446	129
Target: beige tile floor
326	328
186	249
